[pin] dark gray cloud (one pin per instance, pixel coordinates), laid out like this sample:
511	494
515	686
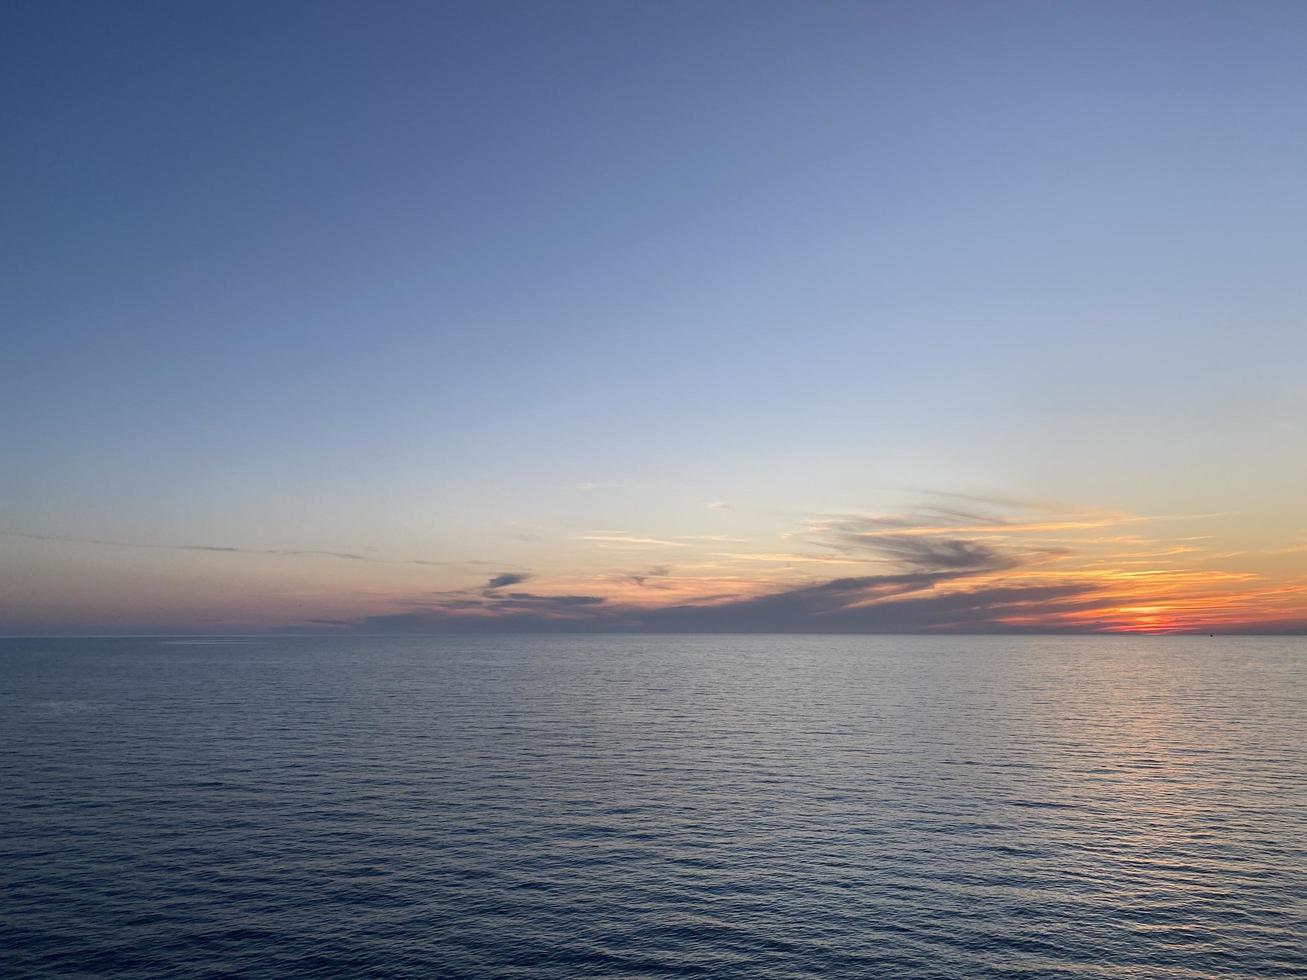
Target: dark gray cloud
523	612
640	578
906	603
507	578
939	539
950	554
527	600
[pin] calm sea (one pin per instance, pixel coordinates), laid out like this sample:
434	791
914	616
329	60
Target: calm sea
725	806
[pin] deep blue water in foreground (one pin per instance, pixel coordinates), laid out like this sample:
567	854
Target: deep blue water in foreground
655	806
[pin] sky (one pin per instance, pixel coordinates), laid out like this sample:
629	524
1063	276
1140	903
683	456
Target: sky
731	316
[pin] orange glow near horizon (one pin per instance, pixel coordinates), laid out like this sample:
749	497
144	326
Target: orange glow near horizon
916	573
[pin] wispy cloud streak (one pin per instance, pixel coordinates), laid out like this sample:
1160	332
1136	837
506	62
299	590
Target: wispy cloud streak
233	550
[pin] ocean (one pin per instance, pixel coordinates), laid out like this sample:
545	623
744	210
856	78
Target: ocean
654	806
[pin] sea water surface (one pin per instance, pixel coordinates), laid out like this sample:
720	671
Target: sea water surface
724	806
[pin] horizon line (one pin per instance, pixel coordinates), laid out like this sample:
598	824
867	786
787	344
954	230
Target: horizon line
597	633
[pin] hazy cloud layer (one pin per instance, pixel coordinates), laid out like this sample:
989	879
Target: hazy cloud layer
971	564
947	568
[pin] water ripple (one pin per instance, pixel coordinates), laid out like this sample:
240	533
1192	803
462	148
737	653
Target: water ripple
655	806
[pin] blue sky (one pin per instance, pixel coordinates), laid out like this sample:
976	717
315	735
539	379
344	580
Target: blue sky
427	278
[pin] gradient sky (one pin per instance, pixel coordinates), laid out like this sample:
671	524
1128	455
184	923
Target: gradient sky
665	315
